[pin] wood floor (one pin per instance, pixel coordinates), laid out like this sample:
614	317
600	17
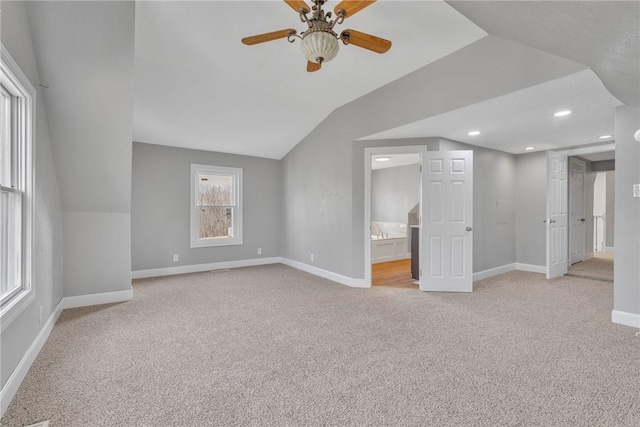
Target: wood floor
396	274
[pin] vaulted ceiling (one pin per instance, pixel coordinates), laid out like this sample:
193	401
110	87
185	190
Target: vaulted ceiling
197	86
193	84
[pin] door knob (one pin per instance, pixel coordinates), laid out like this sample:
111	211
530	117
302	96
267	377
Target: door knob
469	228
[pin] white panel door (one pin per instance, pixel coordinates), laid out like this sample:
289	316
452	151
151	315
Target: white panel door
446	243
556	215
577	172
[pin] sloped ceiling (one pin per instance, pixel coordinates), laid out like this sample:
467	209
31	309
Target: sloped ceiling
85	56
198	87
604	35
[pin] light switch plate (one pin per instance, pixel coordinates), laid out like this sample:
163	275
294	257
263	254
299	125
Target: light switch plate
636	190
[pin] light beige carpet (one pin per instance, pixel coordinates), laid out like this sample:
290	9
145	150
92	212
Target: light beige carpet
273	346
600	267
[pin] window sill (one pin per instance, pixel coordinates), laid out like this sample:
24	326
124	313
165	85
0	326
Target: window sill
215	243
16	306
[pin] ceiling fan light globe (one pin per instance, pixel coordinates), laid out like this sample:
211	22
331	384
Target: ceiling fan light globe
319	44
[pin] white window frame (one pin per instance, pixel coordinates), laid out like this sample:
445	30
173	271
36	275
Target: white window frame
236	173
23	166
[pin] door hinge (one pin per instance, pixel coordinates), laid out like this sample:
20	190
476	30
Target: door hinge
421	272
420	168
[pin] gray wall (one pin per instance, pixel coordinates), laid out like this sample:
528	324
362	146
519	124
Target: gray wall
610	212
47	245
323	176
160	212
603	166
394	192
626	294
531	207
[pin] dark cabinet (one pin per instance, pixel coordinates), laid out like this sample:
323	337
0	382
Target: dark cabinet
415	253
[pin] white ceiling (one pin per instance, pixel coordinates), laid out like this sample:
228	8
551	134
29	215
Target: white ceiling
525	118
197	86
395	160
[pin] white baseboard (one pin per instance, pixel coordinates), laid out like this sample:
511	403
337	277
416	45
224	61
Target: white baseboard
349	281
13	383
198	268
159	272
608	249
96	299
531	268
625	318
485	274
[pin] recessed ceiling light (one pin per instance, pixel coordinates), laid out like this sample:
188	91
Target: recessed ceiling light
605	136
562	113
474	133
382	159
529	148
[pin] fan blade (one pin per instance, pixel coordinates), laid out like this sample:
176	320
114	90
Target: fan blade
297	5
267	37
365	41
313	66
351	7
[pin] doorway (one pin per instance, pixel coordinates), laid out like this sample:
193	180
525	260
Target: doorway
395	210
569	220
445	214
598	264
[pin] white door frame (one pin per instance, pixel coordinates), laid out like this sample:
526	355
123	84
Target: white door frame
601	148
369	152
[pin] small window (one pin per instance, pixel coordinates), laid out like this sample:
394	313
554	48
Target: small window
16	188
216	206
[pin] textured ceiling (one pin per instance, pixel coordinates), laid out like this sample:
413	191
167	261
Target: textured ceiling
604	35
526	117
198	87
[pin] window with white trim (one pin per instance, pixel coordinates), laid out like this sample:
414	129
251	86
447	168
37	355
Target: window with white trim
17	98
216	206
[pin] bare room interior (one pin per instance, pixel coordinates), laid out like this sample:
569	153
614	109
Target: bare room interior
316	212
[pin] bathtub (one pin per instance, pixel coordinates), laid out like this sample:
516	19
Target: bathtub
385	249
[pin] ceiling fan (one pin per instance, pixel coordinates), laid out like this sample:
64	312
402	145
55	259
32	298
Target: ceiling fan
319	42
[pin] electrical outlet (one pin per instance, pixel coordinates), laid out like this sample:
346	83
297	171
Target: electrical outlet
636	190
176	257
41	315
311	257
259	251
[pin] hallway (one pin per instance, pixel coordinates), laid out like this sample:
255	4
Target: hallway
600	267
